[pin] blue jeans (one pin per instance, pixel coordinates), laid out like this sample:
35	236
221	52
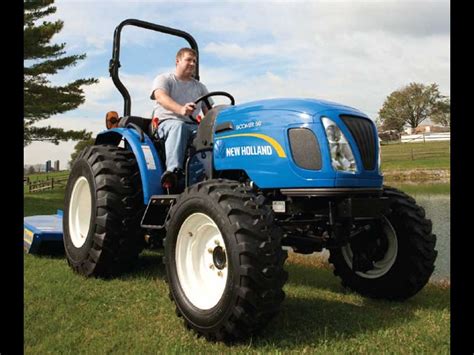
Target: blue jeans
176	135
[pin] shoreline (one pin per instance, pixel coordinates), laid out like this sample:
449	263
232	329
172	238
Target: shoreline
418	175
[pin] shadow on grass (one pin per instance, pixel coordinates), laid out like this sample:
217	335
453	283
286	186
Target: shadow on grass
148	266
305	275
312	320
51	250
431	296
308	317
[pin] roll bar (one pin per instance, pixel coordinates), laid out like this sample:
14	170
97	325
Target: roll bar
114	63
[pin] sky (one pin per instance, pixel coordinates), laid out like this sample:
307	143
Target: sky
351	52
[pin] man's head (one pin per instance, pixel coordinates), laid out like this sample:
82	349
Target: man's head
186	63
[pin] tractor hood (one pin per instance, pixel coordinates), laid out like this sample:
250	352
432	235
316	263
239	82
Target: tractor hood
282	143
307	106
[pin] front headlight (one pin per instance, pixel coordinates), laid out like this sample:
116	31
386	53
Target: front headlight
341	152
379	163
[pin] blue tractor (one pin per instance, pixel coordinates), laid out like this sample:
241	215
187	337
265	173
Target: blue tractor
260	178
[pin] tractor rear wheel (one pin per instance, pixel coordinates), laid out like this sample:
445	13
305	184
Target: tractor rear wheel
224	260
397	255
103	204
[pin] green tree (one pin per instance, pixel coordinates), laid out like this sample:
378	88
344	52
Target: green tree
41	60
79	147
411	105
442	115
31	170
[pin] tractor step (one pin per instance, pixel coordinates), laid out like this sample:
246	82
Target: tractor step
43	234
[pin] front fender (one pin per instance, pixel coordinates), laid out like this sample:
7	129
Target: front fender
149	163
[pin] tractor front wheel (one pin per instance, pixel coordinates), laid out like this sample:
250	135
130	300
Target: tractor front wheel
224	260
394	259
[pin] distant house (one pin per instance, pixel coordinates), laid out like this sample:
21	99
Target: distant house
426	128
427	132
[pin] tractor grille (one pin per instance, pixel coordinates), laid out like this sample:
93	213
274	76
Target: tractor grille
305	148
363	132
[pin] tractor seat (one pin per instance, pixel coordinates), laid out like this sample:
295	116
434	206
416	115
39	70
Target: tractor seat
142	123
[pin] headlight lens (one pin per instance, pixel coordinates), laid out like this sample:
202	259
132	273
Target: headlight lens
341	153
379	163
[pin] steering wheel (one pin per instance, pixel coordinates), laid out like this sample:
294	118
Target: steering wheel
206	97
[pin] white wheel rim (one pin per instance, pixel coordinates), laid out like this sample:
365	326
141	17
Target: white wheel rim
80	210
198	247
381	267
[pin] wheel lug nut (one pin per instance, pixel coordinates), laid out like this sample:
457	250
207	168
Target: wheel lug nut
216	242
219	273
210	250
211	266
190	234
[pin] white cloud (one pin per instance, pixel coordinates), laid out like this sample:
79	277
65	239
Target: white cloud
236	51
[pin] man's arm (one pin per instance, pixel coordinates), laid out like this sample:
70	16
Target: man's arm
168	103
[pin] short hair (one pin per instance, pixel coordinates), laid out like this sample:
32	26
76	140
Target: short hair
185	50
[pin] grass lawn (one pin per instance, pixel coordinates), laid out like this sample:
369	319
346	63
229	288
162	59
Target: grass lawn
67	313
403	156
426	188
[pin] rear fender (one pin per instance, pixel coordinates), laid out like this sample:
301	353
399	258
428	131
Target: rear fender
149	163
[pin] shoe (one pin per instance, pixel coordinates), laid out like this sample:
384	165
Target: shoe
169	180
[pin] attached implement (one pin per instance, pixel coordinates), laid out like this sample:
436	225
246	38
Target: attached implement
43	234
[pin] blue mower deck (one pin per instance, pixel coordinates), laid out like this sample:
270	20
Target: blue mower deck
43	234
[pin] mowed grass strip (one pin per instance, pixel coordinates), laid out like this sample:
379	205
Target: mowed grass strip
67	313
427	155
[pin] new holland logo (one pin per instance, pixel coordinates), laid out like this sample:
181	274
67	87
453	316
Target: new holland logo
221	151
248	150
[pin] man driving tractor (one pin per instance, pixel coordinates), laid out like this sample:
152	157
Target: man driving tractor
175	94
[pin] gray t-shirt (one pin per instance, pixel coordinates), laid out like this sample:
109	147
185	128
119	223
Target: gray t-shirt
180	91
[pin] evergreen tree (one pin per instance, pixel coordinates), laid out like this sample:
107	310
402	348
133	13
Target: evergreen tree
41	99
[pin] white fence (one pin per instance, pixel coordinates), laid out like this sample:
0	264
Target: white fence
426	137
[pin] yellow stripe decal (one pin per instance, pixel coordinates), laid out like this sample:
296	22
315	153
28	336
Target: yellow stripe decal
270	140
28	235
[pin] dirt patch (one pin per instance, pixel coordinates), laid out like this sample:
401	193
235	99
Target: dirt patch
418	175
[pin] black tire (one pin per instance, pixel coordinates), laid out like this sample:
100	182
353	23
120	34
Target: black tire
111	240
413	259
254	270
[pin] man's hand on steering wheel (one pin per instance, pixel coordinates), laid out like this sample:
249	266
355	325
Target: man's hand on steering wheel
206	97
188	108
